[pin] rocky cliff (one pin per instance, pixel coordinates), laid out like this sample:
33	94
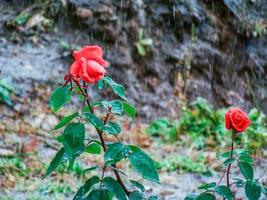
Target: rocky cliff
164	51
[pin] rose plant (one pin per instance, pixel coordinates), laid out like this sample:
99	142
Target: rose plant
237	121
89	70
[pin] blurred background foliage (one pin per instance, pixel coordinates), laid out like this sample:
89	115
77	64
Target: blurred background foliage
203	126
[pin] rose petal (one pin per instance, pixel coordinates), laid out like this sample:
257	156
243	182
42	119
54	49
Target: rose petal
75	69
90	53
83	73
95	69
237	117
239	120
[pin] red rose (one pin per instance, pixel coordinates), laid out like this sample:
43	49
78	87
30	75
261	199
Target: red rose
236	119
89	65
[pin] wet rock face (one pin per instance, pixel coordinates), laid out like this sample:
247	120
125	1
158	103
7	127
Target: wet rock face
200	48
29	63
184	33
247	10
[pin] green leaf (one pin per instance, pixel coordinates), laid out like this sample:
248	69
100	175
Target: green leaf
112	128
143	164
235	152
90	169
224	155
59	158
141	50
247	170
81	194
115	105
5	89
22	18
117	88
116	152
207	186
134	148
153	198
66	120
190	197
129	109
136	195
246	158
93	148
239	183
264	190
100	194
60	96
146	42
101	84
206	196
97	104
6	84
224	192
95	121
138	185
4	96
73	140
229	161
115	188
253	190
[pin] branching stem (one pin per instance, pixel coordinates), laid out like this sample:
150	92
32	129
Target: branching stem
85	94
100	133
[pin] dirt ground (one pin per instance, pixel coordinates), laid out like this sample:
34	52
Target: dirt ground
26	134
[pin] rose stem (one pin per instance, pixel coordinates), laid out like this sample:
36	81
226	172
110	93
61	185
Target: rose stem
100	134
221	178
84	93
231	156
220	181
102	176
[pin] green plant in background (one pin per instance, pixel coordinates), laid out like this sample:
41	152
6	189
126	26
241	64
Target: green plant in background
3	197
183	163
88	70
201	121
143	43
164	128
202	124
5	90
12	165
54	188
25	177
260	28
22	18
257	131
67	47
37	17
79	169
237	121
193	33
